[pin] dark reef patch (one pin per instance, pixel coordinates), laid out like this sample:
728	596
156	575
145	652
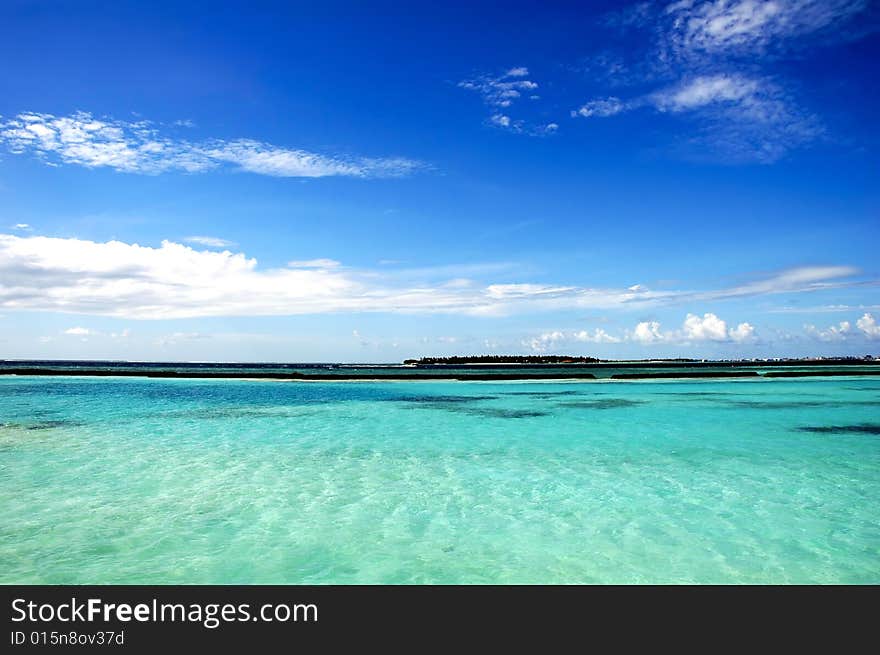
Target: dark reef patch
492	412
684	375
799	404
602	403
696	394
217	413
41	425
862	428
822	373
544	394
440	399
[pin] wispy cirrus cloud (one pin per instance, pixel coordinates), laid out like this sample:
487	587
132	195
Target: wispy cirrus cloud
211	242
79	331
503	90
745	118
500	92
703	59
141	147
129	280
695	29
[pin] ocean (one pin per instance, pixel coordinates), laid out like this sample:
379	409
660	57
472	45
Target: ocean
131	480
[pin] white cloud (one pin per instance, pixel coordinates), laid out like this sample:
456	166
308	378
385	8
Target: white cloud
314	263
803	278
715	48
503	90
602	107
500	120
821	309
690	94
78	331
707	328
749	26
711	328
741	118
868	325
837	332
212	242
544	342
865	327
706	90
742	333
175	281
139	147
555	338
695	328
647	332
22	227
597	336
180	337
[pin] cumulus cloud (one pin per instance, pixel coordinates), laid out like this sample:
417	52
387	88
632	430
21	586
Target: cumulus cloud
173	280
837	332
865	327
647	332
78	331
596	336
502	120
742	332
709	327
695	328
139	147
544	342
868	325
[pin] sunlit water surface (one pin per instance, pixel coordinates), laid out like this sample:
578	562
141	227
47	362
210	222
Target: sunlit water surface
186	481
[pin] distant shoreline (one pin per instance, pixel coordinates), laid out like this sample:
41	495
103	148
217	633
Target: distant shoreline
605	370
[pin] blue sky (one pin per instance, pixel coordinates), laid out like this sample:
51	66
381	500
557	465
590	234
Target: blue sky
283	182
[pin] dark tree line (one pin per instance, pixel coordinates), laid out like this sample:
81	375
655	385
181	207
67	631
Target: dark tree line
503	359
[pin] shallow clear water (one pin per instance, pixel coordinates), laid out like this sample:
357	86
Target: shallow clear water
212	481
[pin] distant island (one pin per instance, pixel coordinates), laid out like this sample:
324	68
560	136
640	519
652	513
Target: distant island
502	359
516	360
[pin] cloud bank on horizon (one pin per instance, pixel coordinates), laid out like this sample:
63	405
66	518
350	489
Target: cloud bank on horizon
174	281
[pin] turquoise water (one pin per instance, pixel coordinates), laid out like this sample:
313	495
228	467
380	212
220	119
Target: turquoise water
210	481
